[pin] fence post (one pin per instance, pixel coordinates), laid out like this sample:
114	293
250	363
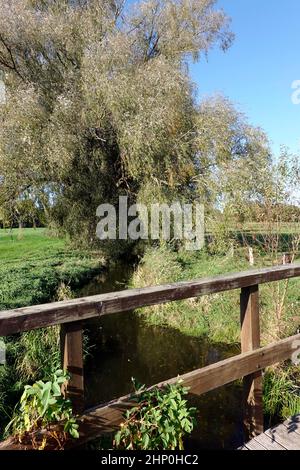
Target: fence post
250	340
71	335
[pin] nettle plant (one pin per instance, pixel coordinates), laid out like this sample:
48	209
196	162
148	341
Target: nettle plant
44	414
160	420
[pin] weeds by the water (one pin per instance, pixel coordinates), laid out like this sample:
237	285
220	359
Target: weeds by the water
44	416
159	420
218	316
282	391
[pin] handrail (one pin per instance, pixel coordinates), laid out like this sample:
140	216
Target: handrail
69	314
56	313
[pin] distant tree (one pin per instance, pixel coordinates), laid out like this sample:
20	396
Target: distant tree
23	212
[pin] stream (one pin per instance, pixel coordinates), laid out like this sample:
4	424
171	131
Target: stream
123	346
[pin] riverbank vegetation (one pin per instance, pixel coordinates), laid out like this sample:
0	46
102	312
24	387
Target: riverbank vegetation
217	316
44	416
35	268
160	420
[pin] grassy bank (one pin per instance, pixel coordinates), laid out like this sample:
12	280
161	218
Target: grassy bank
218	316
35	268
33	265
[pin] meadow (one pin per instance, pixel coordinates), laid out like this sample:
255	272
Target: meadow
33	265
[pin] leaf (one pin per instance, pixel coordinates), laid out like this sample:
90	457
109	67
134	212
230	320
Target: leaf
145	441
56	389
173	404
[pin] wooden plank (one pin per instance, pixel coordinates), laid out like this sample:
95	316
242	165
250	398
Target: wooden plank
293	424
250	340
280	434
268	443
40	316
72	360
107	417
255	445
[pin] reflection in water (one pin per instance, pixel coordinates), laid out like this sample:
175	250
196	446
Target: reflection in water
125	347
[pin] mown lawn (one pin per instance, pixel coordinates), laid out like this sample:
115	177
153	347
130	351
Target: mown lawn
27	243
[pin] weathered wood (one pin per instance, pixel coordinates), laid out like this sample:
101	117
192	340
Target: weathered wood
280	434
293	424
282	437
254	445
72	360
250	340
268	443
107	417
40	316
11	444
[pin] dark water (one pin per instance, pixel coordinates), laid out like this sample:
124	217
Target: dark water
123	346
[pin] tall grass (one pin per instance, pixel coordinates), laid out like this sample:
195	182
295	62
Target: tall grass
281	394
218	316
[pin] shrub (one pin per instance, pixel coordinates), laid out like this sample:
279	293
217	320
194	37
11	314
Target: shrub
160	420
41	406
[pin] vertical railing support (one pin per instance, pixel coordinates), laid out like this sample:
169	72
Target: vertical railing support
72	360
250	340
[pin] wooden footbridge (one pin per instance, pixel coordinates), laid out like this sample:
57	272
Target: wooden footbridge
285	436
71	314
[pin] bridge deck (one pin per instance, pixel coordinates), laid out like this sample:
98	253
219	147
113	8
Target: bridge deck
286	436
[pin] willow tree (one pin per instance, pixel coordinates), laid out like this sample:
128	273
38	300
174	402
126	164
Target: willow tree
99	100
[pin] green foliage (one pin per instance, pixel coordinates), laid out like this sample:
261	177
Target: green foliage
103	104
35	268
41	406
281	394
160	420
215	316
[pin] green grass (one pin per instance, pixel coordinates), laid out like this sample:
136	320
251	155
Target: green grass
216	316
28	243
33	267
282	392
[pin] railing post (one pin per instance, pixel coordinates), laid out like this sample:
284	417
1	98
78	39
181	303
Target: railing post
250	340
71	336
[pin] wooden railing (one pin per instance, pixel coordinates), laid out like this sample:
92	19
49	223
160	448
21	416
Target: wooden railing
247	365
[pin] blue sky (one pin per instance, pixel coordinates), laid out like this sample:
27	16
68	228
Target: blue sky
257	72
